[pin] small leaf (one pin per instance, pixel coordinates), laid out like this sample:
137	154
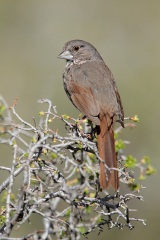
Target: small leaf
41	113
92	195
82	230
54	140
65	116
134	186
130	162
92	157
26	154
45	151
34	140
50	120
150	170
145	160
86	191
119	145
53	155
135	118
2	109
142	177
19	165
2	219
68	212
88	209
13	143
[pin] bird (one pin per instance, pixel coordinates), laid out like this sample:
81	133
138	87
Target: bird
91	87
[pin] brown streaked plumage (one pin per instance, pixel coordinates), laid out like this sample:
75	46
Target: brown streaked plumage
90	86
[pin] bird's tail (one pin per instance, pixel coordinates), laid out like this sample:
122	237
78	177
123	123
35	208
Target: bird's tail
106	147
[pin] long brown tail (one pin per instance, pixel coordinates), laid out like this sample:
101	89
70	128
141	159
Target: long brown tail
106	147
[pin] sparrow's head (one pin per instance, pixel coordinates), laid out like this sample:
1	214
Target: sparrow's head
79	50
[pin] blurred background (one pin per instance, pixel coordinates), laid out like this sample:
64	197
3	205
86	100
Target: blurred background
127	35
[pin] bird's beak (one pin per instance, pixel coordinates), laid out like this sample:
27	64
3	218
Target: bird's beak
66	55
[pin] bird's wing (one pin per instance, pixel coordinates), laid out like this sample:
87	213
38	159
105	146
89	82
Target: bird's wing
84	100
104	87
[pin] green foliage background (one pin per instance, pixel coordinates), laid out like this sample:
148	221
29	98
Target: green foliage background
126	33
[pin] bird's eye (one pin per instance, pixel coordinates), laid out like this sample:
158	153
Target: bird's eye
76	48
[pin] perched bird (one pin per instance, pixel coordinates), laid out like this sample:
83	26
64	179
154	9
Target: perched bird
90	86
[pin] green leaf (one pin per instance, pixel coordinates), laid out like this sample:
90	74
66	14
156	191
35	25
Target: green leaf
150	170
134	186
88	209
41	113
66	117
130	162
119	145
68	212
2	109
2	219
92	157
145	160
53	155
82	230
135	118
26	154
142	177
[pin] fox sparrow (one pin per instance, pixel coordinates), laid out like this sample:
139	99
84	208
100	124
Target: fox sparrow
90	86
